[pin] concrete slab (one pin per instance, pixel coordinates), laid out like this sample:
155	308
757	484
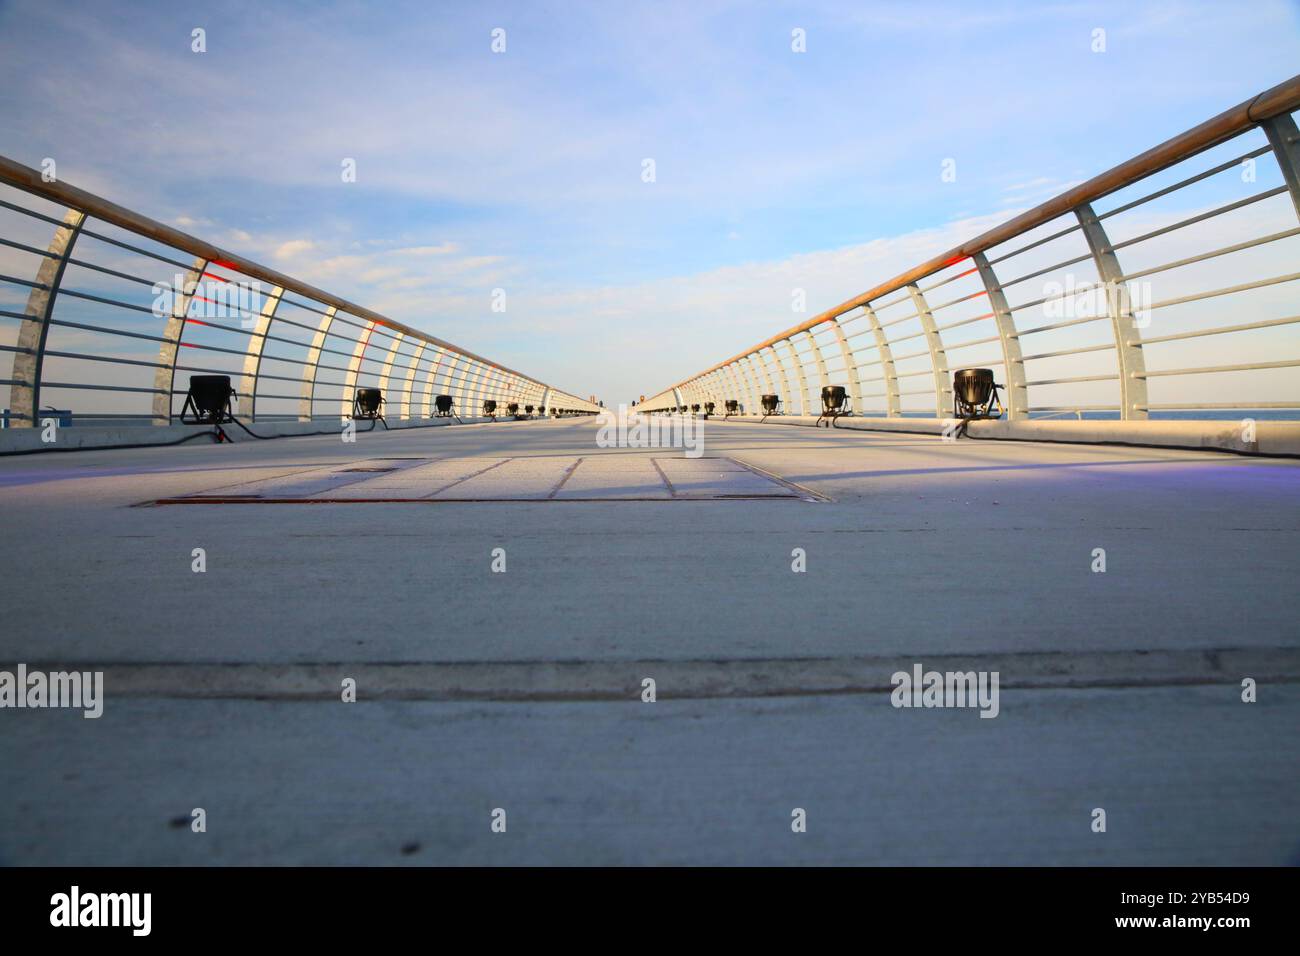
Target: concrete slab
613	477
1187	776
976	548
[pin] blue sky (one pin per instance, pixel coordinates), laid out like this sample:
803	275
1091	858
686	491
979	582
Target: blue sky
522	170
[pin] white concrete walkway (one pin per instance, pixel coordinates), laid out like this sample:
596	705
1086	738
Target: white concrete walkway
522	689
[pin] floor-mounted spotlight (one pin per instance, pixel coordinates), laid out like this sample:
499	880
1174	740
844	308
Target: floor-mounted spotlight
490	409
445	408
708	409
835	404
695	409
368	404
208	402
733	408
513	409
975	394
770	403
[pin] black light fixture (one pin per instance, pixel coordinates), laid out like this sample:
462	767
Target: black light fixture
443	404
528	409
367	405
541	410
208	400
708	408
695	409
770	403
834	404
513	409
974	394
733	408
490	408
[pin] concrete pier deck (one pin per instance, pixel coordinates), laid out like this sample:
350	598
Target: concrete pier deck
522	690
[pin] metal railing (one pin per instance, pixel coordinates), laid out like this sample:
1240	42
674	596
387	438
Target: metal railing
1160	314
105	319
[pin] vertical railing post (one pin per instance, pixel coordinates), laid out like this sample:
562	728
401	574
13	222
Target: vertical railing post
307	391
430	383
938	357
1285	140
760	363
785	379
1128	340
893	401
1013	364
732	383
850	367
386	370
256	347
799	372
821	365
751	385
29	360
354	370
411	370
164	379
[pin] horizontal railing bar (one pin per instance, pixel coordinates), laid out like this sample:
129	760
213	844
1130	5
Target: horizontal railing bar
86	386
27	282
1244	367
1062	296
1074	408
1072	379
109	359
965	298
971	321
1201	217
147	310
1226	250
1036	243
1227	290
906	318
1061	325
107	331
881	306
73	261
1187	182
1034	275
1219	405
964	345
31	212
1221	330
217	348
136	249
1077	351
14	244
943	282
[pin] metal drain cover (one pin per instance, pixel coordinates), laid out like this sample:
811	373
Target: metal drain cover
605	477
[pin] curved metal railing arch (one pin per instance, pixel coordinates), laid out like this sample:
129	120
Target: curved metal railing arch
894	337
294	352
